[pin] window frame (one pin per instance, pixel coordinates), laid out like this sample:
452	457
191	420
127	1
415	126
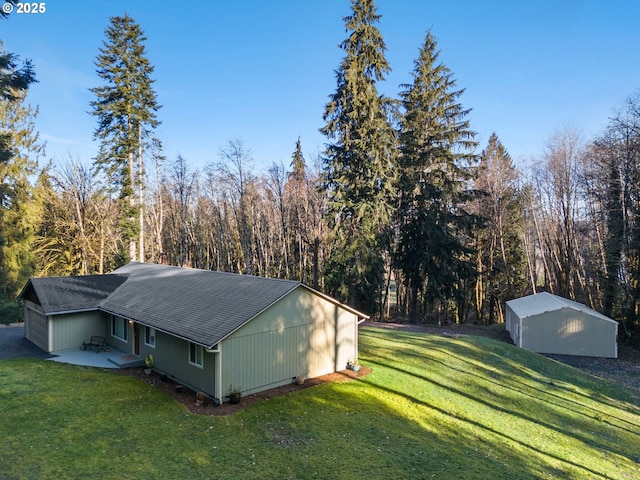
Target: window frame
150	337
115	321
196	355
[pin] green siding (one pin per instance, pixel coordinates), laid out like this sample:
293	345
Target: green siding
569	332
69	331
171	356
301	334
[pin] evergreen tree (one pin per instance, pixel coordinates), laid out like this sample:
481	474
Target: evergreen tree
500	257
359	163
14	82
434	172
19	207
305	204
295	193
298	164
19	151
125	108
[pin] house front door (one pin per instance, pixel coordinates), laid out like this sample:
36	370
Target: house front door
136	339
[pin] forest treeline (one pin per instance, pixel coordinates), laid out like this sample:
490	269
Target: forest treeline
403	216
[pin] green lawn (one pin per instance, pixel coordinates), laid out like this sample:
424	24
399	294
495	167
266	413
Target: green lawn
433	407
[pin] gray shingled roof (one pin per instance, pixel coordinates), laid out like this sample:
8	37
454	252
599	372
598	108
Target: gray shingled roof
199	305
71	294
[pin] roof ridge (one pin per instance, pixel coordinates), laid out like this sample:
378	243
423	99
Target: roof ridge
204	271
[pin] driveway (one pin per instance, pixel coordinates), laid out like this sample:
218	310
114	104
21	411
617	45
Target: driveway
13	344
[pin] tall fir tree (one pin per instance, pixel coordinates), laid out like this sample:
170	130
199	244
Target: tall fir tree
15	79
359	163
125	108
501	262
435	167
295	194
298	165
20	150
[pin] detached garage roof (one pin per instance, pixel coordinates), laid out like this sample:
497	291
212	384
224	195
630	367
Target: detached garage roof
201	306
544	302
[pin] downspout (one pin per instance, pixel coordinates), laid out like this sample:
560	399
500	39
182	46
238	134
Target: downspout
218	368
359	320
357	352
219	375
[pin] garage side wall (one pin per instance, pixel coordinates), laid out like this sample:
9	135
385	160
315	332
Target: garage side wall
36	327
302	334
61	332
513	325
570	332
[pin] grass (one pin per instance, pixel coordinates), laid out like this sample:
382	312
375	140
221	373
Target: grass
433	407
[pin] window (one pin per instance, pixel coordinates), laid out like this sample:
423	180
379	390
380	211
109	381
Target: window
119	328
150	336
195	354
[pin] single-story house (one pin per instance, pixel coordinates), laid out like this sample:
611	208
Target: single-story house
207	330
547	323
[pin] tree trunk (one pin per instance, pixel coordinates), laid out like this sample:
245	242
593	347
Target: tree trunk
140	194
132	203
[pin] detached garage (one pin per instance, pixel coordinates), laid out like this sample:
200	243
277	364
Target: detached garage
547	323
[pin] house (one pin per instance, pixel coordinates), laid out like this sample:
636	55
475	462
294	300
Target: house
547	323
207	330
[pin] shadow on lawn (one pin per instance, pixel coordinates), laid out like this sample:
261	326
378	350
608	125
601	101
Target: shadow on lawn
402	446
582	408
475	423
491	399
479	363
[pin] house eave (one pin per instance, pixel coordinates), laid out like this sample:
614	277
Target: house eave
150	325
71	311
362	316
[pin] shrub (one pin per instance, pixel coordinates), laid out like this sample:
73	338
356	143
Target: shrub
10	312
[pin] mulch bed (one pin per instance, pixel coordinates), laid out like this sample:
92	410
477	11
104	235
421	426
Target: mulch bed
187	397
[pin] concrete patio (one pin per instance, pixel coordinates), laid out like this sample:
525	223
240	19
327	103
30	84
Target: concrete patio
90	358
13	344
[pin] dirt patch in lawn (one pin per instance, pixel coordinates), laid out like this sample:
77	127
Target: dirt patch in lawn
188	397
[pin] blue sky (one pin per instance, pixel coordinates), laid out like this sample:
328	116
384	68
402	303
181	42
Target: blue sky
262	71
